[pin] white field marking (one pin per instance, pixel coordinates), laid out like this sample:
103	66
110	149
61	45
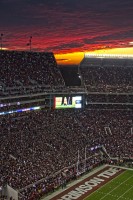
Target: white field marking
115	196
120	183
104	185
116	187
125	193
120	167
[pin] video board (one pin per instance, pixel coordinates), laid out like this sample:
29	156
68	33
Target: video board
67	101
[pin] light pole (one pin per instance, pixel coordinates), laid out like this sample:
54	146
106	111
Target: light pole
78	164
85	156
30	42
1	35
85	159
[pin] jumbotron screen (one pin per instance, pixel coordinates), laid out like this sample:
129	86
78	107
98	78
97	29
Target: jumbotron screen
68	102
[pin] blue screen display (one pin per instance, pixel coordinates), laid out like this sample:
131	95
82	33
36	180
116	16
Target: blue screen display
20	110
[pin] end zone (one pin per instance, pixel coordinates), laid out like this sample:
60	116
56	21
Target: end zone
85	187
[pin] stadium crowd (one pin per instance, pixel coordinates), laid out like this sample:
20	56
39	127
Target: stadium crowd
99	78
42	150
36	145
109	98
28	71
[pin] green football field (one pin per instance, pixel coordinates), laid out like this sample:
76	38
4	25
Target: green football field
120	188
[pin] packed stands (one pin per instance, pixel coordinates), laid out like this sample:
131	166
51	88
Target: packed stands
41	149
107	74
36	145
28	72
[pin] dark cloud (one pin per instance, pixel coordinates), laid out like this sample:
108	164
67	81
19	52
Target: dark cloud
66	25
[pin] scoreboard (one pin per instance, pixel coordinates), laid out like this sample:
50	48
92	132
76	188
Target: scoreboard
68	101
39	102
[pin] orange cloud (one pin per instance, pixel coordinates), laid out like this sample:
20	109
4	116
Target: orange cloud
66	27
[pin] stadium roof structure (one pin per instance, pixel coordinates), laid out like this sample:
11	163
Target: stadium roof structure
116	56
107	60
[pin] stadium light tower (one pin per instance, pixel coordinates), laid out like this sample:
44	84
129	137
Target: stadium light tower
1	35
30	42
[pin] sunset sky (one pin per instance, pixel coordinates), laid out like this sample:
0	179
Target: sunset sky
68	27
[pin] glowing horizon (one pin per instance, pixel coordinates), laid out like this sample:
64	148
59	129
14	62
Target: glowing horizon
68	28
76	57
